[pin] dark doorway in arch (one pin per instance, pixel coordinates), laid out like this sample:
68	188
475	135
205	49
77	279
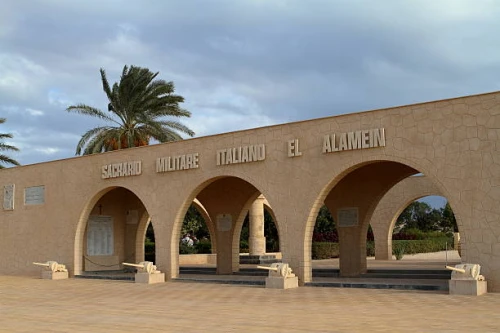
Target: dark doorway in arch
149	244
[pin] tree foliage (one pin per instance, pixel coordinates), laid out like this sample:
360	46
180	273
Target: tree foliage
421	216
138	105
4	159
194	224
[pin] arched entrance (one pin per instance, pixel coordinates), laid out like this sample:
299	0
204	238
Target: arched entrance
352	199
390	207
110	231
227	201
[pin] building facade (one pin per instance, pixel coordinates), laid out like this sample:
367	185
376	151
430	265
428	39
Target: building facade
91	212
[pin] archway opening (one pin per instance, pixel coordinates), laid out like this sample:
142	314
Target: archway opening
226	201
272	244
426	225
196	236
351	199
149	244
111	231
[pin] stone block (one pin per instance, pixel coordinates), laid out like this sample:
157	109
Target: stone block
149	278
49	275
467	287
282	283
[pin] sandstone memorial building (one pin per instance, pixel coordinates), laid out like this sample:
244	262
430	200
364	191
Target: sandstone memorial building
95	209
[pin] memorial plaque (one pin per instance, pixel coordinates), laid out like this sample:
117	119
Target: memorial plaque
100	241
348	217
224	222
34	195
8	197
132	217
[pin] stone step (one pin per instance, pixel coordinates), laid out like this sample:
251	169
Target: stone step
405	284
220	281
258	259
321	272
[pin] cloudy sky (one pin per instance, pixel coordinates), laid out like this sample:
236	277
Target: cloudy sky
238	63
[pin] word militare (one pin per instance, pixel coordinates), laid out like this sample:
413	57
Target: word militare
332	143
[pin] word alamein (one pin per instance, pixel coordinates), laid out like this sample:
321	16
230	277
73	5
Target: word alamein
354	140
243	154
174	163
122	169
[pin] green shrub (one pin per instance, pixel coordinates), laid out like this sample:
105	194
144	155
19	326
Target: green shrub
186	249
203	246
324	250
398	250
244	248
149	247
423	246
149	251
370	249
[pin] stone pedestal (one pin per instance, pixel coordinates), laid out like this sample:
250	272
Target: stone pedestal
49	275
282	283
149	278
468	287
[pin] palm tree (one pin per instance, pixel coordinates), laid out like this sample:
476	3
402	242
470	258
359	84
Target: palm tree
4	159
137	106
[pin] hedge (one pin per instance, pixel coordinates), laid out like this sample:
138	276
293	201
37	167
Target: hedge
423	246
326	250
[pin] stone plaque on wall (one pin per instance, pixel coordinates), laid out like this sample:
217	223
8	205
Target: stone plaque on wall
8	197
132	217
224	222
100	241
348	217
34	195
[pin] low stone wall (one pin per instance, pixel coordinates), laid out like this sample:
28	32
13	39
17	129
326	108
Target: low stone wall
197	259
208	259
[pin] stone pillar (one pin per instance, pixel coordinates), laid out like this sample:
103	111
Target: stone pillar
352	260
257	241
224	252
456	240
383	244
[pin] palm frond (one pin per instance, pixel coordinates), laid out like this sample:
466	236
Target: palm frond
4	159
4	147
90	111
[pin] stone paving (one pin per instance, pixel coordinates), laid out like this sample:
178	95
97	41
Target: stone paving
29	304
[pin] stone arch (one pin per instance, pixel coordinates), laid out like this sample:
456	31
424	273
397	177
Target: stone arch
239	227
352	169
83	221
208	222
140	236
392	205
237	231
251	192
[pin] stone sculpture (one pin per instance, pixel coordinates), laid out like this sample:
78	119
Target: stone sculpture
147	272
467	280
280	276
53	270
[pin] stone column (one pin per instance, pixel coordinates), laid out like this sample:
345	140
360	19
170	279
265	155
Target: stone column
257	241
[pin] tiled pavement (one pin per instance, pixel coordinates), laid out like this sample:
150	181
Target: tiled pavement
29	304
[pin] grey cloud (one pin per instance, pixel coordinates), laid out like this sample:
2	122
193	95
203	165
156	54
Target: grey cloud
241	64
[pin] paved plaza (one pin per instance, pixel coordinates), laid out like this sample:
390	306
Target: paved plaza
30	304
